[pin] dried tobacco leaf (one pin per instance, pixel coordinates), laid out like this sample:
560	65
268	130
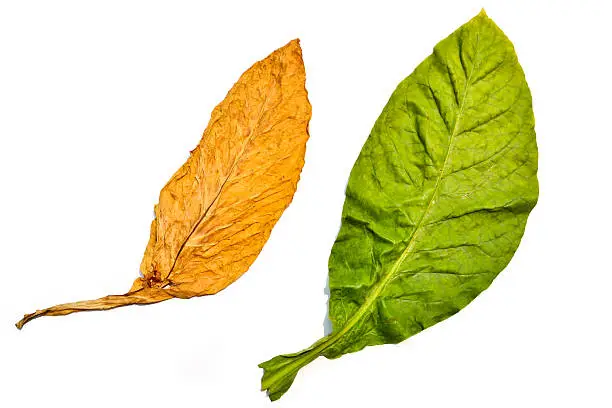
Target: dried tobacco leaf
217	211
436	203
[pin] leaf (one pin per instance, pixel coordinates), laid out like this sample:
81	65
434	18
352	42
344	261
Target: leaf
436	203
217	211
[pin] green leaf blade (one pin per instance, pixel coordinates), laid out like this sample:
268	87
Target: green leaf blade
438	199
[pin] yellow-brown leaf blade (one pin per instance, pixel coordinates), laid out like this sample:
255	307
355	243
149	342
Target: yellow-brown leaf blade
217	211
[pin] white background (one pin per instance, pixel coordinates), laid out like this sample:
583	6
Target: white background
100	104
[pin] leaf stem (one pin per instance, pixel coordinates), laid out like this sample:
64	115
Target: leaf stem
141	296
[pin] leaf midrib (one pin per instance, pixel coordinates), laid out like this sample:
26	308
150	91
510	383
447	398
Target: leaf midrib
312	353
230	173
374	294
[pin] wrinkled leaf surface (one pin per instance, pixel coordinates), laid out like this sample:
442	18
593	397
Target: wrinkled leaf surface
436	203
217	211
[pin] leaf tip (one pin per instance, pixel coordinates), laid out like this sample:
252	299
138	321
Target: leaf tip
294	44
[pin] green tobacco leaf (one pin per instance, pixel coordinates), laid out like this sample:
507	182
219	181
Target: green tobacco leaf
436	203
